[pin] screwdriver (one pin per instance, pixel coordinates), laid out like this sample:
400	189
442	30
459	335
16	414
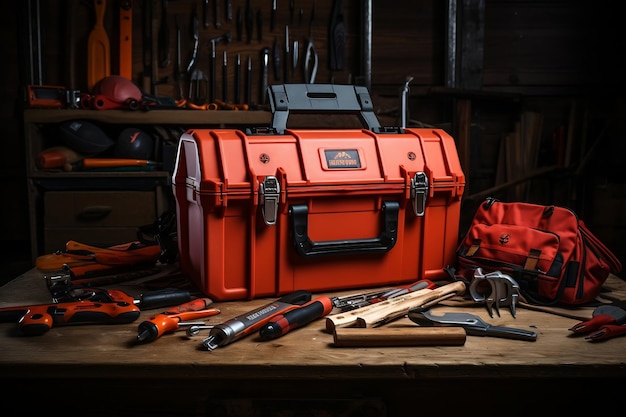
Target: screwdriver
280	324
168	321
240	326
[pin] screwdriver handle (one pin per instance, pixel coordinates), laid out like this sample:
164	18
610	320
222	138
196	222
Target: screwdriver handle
193	305
280	324
240	326
159	324
162	298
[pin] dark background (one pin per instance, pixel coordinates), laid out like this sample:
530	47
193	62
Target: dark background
561	59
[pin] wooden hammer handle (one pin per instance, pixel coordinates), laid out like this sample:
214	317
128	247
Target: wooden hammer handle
385	314
399	336
349	318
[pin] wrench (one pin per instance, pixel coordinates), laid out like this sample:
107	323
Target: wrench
473	325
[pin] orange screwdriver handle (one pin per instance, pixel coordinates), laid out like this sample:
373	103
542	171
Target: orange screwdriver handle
193	305
160	324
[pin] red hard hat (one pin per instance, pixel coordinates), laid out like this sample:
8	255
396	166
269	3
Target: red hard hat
118	89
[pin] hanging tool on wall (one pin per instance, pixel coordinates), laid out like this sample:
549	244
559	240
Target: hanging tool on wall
126	39
310	55
249	81
205	13
212	73
229	10
249	21
404	103
239	24
265	59
146	45
216	12
286	57
273	15
98	50
336	38
259	25
178	69
237	82
164	38
225	77
276	56
195	36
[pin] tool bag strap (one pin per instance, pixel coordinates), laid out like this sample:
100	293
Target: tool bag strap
320	98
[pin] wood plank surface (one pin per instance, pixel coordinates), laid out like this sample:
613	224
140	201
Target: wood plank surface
307	352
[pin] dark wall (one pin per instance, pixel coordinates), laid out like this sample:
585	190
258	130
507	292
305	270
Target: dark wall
561	58
14	207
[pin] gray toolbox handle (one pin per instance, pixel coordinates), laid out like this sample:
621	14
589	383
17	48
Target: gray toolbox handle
383	243
320	98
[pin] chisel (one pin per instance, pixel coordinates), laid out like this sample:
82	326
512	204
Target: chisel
237	98
213	74
265	58
249	21
276	53
286	57
225	78
249	81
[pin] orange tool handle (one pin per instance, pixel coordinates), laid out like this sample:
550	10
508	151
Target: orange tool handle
36	320
88	163
160	324
193	305
280	324
126	39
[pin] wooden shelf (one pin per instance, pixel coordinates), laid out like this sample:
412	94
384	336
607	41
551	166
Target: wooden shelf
168	117
37	120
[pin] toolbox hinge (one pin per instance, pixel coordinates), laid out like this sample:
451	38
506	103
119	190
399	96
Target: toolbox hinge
419	192
269	197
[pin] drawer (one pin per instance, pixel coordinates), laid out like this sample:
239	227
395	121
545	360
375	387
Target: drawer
98	218
99	208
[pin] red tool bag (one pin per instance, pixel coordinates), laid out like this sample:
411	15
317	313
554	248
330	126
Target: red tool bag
547	250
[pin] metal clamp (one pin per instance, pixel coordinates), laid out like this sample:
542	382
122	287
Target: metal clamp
269	197
419	193
504	291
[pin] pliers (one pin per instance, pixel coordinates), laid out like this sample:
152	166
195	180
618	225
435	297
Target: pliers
608	321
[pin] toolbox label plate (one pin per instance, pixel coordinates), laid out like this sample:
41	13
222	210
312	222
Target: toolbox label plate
342	159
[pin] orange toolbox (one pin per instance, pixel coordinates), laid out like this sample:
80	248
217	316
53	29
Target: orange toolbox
269	211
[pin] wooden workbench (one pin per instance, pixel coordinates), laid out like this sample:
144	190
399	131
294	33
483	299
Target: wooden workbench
97	370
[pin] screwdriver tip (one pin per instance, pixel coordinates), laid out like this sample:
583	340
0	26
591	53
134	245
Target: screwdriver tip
143	336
